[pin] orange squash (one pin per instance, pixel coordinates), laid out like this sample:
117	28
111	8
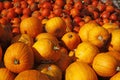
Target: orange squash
19	57
5	74
105	65
31	75
80	71
52	70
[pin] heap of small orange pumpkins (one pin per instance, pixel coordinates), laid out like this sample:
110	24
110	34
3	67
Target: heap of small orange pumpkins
59	40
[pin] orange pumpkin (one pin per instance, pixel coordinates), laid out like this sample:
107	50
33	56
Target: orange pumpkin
98	36
71	40
31	26
86	52
115	76
19	57
84	30
105	65
52	70
23	38
80	71
5	74
115	40
56	26
46	50
31	75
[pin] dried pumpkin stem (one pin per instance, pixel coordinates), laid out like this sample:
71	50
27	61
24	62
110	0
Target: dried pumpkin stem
100	38
118	68
56	48
16	61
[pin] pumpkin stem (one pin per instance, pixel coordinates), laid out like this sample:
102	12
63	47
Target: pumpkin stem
70	36
56	48
118	68
100	38
16	61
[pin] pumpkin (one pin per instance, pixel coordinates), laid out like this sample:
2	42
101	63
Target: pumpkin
52	70
31	75
64	60
105	65
115	76
115	40
19	57
84	30
5	74
46	51
98	36
56	26
48	36
31	26
71	40
86	52
23	38
110	26
80	71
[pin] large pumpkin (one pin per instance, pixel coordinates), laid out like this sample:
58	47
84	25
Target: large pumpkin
31	75
18	57
105	65
80	71
5	74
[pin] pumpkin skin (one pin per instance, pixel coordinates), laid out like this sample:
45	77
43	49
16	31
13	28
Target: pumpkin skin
31	75
52	70
1	54
5	74
19	57
116	76
105	65
80	71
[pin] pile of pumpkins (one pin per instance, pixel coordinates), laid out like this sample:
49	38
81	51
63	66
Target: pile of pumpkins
61	47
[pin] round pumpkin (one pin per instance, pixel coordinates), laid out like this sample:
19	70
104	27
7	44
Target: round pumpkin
84	30
23	38
80	71
56	26
31	26
115	76
52	70
105	65
19	57
31	75
71	40
98	36
5	74
46	51
86	52
115	40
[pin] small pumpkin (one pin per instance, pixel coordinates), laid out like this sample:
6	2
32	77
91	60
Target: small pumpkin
105	65
86	52
31	26
56	26
52	70
71	40
5	74
19	57
80	71
115	40
46	51
31	75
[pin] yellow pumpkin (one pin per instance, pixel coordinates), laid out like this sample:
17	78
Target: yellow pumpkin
80	71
